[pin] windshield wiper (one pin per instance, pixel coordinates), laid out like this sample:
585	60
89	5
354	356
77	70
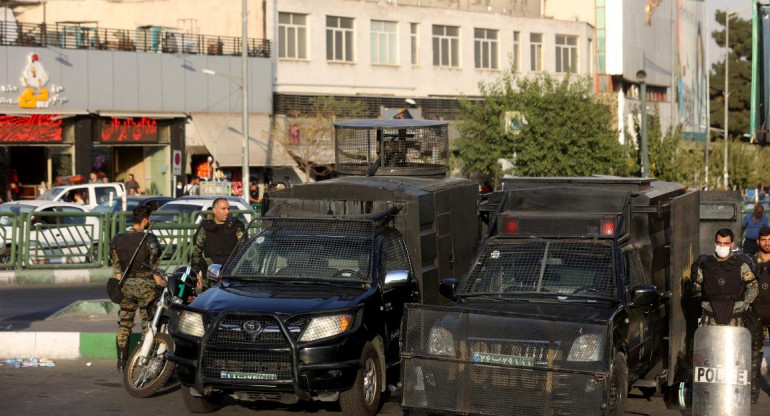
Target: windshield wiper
487	296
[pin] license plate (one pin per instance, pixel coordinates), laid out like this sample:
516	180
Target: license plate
235	375
488	358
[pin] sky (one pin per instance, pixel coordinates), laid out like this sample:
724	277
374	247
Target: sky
716	53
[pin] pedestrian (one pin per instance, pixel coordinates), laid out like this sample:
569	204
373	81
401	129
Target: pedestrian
42	188
725	283
129	252
92	178
179	189
195	189
254	193
105	179
132	184
15	190
758	319
216	239
750	226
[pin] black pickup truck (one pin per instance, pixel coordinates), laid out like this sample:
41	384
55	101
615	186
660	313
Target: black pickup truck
566	305
308	309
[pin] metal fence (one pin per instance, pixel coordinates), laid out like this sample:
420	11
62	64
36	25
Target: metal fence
84	35
76	240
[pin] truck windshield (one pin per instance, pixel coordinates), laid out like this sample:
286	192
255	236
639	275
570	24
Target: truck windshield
561	267
302	257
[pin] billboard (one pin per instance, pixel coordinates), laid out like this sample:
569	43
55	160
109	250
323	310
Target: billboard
692	87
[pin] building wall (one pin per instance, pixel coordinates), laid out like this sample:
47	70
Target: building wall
207	17
94	80
404	79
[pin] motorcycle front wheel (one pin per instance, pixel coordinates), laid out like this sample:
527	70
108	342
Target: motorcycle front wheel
144	380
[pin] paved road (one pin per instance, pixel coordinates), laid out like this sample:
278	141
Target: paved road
74	388
20	306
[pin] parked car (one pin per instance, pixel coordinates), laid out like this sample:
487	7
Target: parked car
52	238
111	206
187	205
92	194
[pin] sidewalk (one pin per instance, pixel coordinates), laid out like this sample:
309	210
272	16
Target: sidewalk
82	330
53	276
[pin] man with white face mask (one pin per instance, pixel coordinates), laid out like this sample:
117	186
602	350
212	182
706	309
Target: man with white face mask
725	283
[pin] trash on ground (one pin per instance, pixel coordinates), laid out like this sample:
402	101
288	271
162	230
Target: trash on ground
89	364
31	362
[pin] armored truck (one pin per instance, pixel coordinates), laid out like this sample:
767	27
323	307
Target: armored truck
310	308
573	297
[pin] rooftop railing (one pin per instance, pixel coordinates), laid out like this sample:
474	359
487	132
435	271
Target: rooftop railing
87	35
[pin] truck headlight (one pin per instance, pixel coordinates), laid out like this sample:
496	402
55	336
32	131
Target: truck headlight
586	347
441	342
327	326
191	323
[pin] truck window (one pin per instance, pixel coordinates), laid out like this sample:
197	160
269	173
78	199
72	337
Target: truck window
103	193
394	254
562	267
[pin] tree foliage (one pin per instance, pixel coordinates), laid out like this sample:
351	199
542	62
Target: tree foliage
739	103
568	132
309	138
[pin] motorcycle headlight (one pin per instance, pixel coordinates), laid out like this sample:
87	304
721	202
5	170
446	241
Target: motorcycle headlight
191	323
441	342
586	347
327	326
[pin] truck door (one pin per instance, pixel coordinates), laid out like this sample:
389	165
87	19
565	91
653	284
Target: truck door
646	327
394	257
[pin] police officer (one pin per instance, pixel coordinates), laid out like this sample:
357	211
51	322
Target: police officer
140	285
725	283
216	239
761	310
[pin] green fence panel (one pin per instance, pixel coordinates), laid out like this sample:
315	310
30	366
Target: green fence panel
11	235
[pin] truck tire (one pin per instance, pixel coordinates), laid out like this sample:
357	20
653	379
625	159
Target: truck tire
363	399
618	385
201	404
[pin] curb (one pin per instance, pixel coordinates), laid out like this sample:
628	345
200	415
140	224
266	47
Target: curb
61	345
54	276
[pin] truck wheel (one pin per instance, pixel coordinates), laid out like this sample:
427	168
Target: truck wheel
363	399
201	404
618	385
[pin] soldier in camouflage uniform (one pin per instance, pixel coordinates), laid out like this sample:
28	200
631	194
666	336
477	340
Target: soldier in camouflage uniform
216	239
140	286
725	283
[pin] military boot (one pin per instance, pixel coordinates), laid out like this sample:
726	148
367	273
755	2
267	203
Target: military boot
756	368
122	356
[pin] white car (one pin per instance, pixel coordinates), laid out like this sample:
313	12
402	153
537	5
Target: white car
186	206
52	238
92	194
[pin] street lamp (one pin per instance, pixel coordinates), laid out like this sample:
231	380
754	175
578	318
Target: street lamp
641	76
243	83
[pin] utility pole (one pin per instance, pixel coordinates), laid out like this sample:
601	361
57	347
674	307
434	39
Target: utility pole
245	105
727	93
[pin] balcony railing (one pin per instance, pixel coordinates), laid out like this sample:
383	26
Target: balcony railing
77	35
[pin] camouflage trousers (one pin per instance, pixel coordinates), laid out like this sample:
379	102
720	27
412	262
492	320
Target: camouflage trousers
137	294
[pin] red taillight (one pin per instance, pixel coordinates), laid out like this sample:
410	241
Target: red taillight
608	227
511	226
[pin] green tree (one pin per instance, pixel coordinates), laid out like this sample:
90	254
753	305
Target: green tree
740	77
568	132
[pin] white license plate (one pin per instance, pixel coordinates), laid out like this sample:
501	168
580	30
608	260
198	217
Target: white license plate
237	375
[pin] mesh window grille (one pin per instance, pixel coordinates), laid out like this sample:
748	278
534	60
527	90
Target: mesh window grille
293	249
560	267
392	147
489	362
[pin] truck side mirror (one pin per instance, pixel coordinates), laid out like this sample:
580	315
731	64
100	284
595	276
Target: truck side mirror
447	288
644	295
396	278
212	272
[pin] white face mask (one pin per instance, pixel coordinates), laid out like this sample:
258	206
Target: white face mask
722	251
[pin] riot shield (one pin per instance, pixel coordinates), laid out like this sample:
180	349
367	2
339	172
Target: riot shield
722	371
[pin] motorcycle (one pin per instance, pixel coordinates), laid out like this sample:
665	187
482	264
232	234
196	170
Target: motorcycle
148	369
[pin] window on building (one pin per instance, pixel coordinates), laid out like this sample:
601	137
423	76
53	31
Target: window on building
516	59
414	29
485	48
536	52
292	36
384	47
446	46
339	39
566	53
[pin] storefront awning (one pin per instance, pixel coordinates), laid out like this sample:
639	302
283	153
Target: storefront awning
222	136
156	116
